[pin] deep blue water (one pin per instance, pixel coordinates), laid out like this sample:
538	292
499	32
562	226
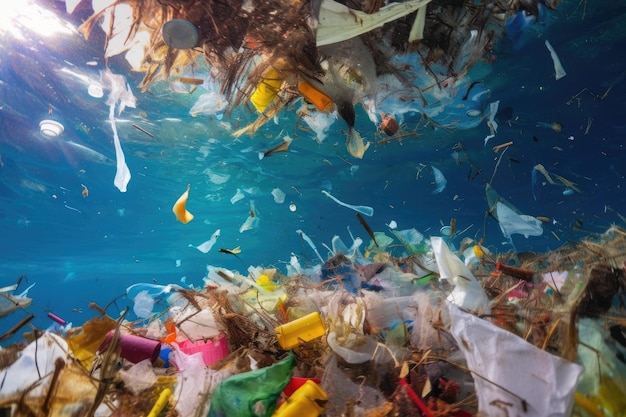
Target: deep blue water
82	249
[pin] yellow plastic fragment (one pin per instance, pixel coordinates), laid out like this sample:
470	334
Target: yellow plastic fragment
180	209
267	90
308	401
160	403
85	343
478	251
301	330
266	283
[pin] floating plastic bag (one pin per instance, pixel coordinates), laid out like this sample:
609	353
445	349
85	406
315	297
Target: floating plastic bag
511	376
253	393
512	222
467	292
205	247
143	305
139	377
440	181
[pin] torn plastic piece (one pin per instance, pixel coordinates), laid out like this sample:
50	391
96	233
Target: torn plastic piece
491	123
180	210
308	240
143	305
194	382
338	22
252	221
279	195
122	173
512	222
304	329
85	344
467	293
355	144
206	246
559	71
252	393
138	377
365	210
510	372
440	181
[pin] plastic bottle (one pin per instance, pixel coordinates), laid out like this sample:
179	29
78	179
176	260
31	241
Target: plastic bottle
308	401
267	90
303	329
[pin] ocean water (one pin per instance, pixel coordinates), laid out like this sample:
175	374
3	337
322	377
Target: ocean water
81	249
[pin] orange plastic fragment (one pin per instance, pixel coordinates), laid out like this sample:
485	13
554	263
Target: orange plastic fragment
180	209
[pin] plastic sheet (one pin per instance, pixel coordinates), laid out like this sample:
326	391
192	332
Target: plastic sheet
511	376
338	22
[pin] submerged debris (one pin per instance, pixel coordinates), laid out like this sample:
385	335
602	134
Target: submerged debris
351	335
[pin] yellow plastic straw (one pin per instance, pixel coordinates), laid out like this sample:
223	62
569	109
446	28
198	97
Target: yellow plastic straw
160	403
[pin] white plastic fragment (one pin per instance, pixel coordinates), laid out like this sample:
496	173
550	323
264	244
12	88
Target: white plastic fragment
37	359
308	240
512	222
440	180
239	195
368	211
491	123
122	94
206	246
512	373
279	195
252	221
467	293
559	71
143	304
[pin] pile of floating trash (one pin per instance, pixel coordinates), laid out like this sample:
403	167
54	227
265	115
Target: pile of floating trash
407	325
397	59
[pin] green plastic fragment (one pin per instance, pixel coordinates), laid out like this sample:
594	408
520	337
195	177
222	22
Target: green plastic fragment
252	394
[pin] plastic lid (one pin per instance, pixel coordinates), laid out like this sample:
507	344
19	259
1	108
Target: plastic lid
51	128
180	34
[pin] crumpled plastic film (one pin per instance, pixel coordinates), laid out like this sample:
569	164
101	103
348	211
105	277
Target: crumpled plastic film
511	376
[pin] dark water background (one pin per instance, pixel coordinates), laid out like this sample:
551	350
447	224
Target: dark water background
80	249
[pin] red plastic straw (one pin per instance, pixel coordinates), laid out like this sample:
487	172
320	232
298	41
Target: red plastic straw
416	400
56	318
